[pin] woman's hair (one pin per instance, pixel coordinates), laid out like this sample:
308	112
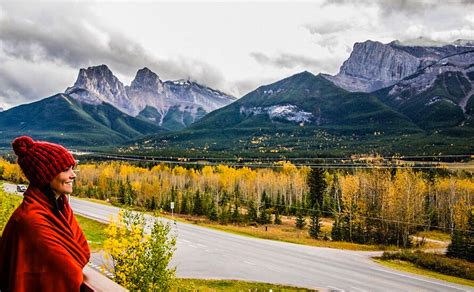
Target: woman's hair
58	204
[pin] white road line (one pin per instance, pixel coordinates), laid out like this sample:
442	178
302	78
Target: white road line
419	279
358	289
335	288
250	263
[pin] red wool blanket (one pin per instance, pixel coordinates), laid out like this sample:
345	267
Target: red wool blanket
42	251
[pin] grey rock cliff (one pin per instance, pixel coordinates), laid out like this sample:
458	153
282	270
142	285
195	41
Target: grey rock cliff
177	103
98	84
373	65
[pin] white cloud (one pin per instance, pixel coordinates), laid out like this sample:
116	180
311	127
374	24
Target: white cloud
231	46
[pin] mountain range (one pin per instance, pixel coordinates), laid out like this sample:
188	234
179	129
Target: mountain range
99	110
386	98
170	104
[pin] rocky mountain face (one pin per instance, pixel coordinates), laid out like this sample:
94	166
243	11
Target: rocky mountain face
170	104
393	98
373	65
438	96
300	113
98	84
306	100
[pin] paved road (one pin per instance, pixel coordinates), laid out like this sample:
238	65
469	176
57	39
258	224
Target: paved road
206	253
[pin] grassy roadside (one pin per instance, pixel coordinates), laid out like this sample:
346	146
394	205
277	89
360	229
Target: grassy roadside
286	232
412	268
233	285
95	234
435	235
102	202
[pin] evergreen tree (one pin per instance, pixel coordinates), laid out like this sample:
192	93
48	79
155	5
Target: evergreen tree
335	196
129	194
224	216
315	225
265	201
121	192
224	199
166	205
470	238
317	186
300	220
213	216
237	192
336	230
173	194
264	217
457	247
197	207
184	205
252	216
277	218
235	217
153	204
462	242
279	203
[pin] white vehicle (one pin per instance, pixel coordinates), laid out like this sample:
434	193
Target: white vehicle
21	188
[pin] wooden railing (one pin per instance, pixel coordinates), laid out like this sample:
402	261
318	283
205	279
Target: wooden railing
95	281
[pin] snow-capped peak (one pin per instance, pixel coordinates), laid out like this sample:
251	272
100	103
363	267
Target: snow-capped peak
182	82
98	84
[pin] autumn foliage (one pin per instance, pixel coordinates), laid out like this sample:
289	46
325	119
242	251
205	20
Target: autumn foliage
368	205
139	259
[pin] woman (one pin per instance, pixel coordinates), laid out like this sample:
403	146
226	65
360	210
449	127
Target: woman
42	247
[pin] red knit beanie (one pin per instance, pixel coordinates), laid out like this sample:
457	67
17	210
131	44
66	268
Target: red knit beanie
41	161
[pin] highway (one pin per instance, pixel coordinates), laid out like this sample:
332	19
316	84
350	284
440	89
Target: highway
212	254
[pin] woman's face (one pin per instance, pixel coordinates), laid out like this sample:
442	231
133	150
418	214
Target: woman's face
62	183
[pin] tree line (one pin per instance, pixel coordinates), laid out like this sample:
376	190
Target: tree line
376	206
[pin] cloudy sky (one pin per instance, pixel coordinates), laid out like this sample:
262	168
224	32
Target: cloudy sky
230	46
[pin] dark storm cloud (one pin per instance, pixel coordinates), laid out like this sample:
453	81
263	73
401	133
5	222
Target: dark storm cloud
13	90
73	44
71	40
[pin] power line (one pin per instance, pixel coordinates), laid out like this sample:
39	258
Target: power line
353	157
385	165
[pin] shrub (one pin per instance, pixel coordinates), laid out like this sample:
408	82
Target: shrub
140	260
436	262
8	204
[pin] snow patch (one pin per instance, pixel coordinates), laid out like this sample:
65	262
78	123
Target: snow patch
287	112
436	99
